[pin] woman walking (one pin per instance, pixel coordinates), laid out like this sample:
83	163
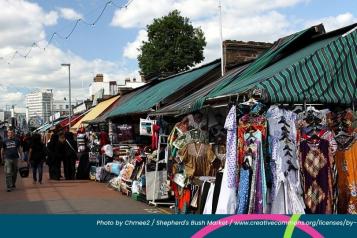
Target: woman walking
37	156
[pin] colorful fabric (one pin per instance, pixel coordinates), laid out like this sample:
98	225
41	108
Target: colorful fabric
347	177
286	187
316	164
231	153
243	191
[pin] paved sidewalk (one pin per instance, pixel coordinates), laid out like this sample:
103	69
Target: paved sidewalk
68	197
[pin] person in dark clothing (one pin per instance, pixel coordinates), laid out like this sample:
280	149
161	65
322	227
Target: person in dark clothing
25	143
53	159
11	152
37	156
1	158
69	152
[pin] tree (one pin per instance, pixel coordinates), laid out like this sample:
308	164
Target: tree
173	45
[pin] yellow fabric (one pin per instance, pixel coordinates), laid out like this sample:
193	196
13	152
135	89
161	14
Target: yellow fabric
95	112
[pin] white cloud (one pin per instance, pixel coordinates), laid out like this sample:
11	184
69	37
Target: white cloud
22	23
335	22
70	14
51	18
256	20
141	13
131	50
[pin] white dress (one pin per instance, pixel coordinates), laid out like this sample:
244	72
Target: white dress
287	191
227	201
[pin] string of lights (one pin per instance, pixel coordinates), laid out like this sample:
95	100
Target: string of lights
26	53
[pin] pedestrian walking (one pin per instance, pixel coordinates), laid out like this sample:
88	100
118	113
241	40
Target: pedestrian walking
11	151
37	156
25	143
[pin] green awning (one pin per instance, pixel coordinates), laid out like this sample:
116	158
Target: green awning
187	104
153	95
327	75
270	56
102	118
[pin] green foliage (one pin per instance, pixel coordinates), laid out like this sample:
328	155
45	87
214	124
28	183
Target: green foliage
173	45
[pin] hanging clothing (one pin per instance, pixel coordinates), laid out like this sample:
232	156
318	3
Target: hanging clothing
249	122
208	205
155	136
286	188
258	188
227	197
197	158
316	164
346	163
217	189
243	191
182	199
231	154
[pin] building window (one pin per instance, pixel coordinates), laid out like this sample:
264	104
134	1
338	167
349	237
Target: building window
66	106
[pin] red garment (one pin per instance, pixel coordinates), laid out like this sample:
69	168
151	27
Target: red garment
245	124
155	136
183	198
103	139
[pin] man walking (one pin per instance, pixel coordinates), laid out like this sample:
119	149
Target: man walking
11	151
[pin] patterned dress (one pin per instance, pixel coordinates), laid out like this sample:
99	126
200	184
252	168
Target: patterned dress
317	174
286	188
227	201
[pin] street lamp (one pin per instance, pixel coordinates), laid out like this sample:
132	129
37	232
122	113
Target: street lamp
51	105
69	90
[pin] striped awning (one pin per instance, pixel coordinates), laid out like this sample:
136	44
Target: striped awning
328	75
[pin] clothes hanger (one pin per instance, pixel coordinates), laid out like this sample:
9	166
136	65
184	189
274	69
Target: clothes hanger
250	102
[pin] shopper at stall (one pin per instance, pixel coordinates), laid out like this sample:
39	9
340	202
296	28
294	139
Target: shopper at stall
11	151
37	156
53	158
68	148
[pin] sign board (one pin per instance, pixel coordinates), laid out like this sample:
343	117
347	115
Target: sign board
35	122
80	108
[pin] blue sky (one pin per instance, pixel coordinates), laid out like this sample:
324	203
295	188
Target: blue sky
110	46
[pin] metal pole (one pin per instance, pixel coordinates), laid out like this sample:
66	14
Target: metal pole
70	103
52	106
221	36
69	91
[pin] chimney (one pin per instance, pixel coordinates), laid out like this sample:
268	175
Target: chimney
238	52
99	78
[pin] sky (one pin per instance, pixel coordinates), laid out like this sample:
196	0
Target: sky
110	46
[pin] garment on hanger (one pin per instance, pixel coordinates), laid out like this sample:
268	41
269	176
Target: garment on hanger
208	205
182	199
197	158
317	173
243	191
203	199
227	196
247	123
217	189
155	136
346	163
286	188
258	186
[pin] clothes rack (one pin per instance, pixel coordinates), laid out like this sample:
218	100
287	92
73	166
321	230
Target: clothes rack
161	142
